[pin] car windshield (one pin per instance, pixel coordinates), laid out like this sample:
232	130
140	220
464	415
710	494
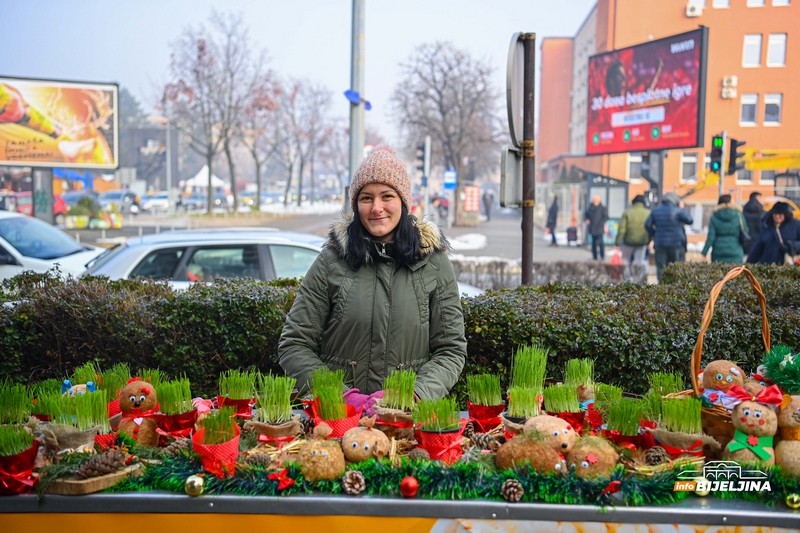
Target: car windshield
111	195
34	238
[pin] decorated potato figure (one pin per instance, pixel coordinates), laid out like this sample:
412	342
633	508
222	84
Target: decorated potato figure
718	377
321	460
137	401
531	448
787	451
755	423
592	457
558	433
364	442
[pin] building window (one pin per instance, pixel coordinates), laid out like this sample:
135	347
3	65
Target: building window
721	3
749	108
776	50
689	166
756	3
744	176
751	54
635	168
767	176
780	2
772	108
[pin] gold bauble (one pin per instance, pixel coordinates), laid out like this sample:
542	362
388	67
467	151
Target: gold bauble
194	485
702	493
793	501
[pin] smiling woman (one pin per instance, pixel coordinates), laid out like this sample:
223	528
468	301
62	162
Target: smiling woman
381	296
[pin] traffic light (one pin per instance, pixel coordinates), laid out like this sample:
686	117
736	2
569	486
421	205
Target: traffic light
420	155
717	147
734	156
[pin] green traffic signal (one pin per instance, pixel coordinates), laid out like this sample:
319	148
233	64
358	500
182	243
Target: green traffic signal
717	145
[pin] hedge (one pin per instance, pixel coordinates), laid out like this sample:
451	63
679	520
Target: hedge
53	326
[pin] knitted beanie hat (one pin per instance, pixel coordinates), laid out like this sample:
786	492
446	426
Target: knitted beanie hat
381	166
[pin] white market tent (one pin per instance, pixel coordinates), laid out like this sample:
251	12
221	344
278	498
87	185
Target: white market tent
200	180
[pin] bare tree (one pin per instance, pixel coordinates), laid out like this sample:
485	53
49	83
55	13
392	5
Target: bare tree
189	100
449	95
213	74
302	125
260	112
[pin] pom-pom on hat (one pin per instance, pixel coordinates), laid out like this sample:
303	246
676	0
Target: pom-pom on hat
381	166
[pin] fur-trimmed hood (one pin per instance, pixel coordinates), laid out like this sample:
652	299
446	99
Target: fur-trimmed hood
432	238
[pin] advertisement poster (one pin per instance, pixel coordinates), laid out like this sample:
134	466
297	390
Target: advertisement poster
58	124
649	96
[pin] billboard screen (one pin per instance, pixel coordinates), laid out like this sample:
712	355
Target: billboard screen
46	123
648	97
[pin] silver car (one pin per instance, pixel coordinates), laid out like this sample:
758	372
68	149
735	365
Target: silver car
203	255
187	256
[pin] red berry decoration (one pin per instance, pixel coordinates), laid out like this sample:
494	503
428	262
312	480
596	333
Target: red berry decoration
409	486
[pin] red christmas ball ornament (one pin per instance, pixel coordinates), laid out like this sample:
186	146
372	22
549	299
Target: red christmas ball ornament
409	486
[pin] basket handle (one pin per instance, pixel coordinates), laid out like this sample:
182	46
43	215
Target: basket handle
708	313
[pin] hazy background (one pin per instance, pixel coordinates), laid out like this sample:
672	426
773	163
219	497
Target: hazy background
129	42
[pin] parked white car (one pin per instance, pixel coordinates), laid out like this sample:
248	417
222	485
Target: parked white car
28	243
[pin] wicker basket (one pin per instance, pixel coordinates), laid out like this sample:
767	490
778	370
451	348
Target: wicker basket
716	419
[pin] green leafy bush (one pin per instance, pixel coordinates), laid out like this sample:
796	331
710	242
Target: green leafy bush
629	330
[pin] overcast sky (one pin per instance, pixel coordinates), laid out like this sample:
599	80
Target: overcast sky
129	41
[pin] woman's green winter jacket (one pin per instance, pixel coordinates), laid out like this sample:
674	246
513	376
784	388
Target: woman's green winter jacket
379	318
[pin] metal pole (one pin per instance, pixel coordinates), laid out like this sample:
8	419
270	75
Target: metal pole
170	200
356	84
426	173
528	146
723	168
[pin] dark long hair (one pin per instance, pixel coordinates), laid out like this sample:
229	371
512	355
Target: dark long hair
405	249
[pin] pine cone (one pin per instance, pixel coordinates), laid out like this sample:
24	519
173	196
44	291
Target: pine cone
177	447
484	441
419	453
656	455
469	430
353	482
102	464
512	490
308	425
258	459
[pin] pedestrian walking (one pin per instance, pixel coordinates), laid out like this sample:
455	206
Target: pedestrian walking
595	219
753	212
634	238
552	220
665	226
779	237
381	296
488	199
726	233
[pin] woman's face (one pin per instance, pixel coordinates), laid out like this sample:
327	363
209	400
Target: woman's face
778	218
379	208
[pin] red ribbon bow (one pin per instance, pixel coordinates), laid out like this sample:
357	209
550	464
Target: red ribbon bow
695	449
283	479
611	488
770	395
134	414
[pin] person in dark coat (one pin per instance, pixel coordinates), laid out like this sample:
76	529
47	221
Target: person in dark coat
552	219
724	230
665	226
596	217
779	236
754	216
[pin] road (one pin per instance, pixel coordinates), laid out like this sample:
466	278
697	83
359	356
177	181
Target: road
499	237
